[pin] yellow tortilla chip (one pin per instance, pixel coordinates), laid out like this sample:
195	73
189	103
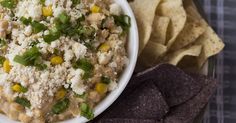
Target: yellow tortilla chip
151	53
192	30
175	11
188	3
159	31
144	11
175	57
211	42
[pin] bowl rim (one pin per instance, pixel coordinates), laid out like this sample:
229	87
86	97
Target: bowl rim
133	42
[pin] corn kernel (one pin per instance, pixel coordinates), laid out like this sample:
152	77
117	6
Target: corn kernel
60	94
101	88
47	11
1	16
6	66
16	88
95	9
56	60
104	47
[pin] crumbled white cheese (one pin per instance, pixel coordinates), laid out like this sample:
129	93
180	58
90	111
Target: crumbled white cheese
112	64
112	85
57	10
29	112
115	9
29	8
104	58
79	50
48	2
28	30
68	55
76	81
95	18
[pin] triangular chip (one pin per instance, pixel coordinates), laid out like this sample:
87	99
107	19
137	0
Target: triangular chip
151	53
192	30
159	31
144	11
175	11
211	42
175	57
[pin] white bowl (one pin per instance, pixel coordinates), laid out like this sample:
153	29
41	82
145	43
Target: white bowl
125	77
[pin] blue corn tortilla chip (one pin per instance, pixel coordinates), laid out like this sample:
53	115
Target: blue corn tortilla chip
137	102
175	85
161	94
120	120
188	111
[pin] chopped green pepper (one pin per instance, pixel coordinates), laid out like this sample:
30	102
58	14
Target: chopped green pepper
42	2
26	21
8	3
2	59
85	65
75	2
86	32
105	80
37	27
34	43
23	89
124	21
2	42
86	111
29	57
52	36
23	101
82	96
64	18
60	106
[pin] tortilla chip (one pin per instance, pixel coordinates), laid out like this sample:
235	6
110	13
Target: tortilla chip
175	85
160	26
188	111
175	11
188	64
188	3
192	30
139	95
144	11
212	45
211	42
151	53
175	57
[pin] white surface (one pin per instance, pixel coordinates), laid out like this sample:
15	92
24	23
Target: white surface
124	79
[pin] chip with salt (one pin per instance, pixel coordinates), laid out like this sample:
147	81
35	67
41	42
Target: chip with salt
175	57
144	11
175	11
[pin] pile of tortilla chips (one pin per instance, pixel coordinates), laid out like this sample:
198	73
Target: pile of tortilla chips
171	30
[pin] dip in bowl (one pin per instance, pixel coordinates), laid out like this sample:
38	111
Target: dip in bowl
64	60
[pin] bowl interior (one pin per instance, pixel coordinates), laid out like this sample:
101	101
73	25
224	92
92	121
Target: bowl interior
125	77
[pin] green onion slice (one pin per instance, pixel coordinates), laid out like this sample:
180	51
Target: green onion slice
86	111
10	4
60	106
23	101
